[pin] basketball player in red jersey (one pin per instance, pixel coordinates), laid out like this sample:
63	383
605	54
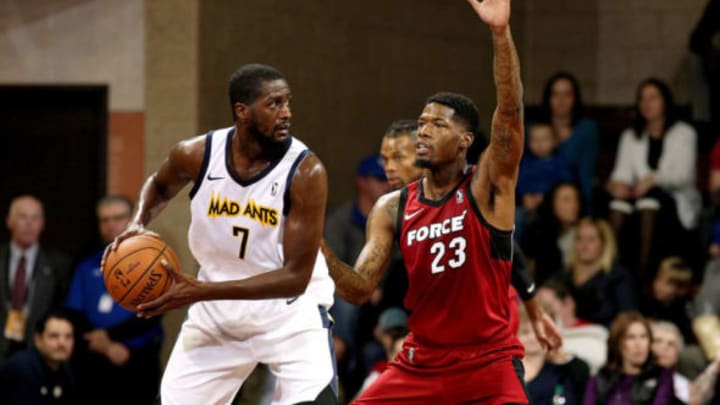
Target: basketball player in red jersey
455	231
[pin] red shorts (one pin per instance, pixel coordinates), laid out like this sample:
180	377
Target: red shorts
421	375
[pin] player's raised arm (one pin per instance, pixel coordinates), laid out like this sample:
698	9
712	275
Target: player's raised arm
499	164
356	285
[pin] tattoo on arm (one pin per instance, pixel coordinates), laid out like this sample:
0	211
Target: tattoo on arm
507	132
356	285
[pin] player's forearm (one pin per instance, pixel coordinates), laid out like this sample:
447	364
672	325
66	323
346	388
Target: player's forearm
151	202
280	283
351	286
533	309
507	74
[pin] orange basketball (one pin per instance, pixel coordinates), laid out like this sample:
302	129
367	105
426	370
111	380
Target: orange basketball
134	273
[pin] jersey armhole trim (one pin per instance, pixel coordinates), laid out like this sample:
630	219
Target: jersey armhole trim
288	182
400	212
479	215
205	163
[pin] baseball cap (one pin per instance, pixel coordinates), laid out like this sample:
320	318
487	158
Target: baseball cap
392	318
371	166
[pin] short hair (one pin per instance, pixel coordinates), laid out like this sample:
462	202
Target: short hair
577	108
618	329
116	198
53	313
667	326
669	109
16	200
245	82
676	270
466	112
402	127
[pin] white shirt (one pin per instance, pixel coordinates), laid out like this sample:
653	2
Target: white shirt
676	171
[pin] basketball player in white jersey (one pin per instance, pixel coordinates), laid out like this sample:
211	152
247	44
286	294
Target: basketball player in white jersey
262	292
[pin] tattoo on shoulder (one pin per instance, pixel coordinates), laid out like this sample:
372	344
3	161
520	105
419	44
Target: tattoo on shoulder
392	207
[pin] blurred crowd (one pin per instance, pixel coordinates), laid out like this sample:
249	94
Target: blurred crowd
628	266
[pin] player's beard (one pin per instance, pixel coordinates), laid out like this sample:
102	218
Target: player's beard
423	163
270	146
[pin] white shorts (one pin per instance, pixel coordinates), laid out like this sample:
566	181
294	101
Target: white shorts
209	364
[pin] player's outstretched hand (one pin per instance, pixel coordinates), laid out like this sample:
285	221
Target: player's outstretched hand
546	332
185	290
495	13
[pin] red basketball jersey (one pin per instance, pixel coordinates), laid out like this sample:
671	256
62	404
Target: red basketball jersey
459	270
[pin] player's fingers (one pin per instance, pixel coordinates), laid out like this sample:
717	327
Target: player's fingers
169	267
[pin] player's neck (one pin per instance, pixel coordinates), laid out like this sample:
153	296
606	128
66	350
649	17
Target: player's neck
442	179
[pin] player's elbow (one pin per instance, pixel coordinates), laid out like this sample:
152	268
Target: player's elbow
299	284
356	298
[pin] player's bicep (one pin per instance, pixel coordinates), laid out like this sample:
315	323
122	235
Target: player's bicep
305	219
505	149
180	167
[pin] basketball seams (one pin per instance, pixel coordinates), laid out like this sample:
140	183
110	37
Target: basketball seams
142	275
118	261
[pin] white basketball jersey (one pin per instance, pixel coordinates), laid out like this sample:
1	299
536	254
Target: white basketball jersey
237	225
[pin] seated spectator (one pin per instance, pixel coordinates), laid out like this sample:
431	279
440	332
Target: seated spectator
548	238
582	339
540	169
667	343
117	347
670	295
600	287
550	375
35	278
390	332
41	374
630	375
654	176
562	108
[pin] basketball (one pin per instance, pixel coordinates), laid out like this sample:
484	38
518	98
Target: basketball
134	273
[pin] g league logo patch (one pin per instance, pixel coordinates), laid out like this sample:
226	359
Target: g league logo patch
274	189
459	196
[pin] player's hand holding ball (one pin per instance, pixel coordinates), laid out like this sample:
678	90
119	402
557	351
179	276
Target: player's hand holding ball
139	269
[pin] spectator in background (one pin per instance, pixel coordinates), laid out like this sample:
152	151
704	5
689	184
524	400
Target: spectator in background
345	235
630	376
41	374
548	238
601	288
667	343
714	192
390	333
562	108
581	338
654	176
704	43
550	376
33	278
540	169
670	295
118	348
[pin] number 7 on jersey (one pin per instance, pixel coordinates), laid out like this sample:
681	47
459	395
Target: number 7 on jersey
244	234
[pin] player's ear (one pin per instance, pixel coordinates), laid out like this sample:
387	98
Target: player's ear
466	140
242	112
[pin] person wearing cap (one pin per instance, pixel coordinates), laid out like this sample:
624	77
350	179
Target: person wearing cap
390	331
345	234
